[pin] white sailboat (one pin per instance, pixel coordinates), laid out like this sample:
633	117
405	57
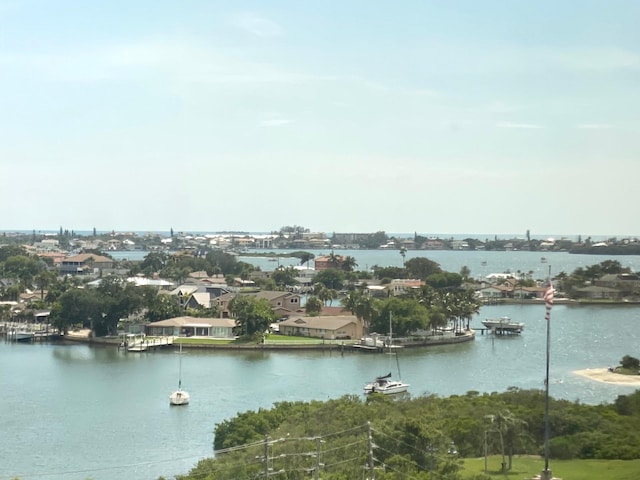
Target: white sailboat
385	384
180	396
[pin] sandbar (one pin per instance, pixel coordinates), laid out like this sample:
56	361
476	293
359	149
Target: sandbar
606	376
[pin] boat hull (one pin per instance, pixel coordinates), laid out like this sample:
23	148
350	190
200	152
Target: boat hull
504	323
179	397
386	387
23	336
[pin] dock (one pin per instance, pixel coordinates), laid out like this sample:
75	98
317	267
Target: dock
500	330
143	344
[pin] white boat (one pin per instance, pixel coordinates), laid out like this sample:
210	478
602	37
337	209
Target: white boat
504	324
23	336
180	396
385	385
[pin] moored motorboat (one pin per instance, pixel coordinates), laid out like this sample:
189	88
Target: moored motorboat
504	324
23	336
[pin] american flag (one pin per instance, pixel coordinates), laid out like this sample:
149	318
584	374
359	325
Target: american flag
548	299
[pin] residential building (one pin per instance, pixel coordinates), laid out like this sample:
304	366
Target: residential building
84	263
193	327
328	327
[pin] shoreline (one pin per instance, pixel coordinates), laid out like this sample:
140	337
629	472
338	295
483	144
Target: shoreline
605	376
82	336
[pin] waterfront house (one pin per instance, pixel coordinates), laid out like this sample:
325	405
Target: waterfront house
597	292
526	293
626	282
401	286
324	262
193	327
494	292
282	303
329	327
84	263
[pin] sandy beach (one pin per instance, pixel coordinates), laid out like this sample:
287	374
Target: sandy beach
604	375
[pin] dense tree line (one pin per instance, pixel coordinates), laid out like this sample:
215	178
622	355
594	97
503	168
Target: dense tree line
422	437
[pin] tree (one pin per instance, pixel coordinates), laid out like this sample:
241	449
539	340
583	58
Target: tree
330	278
161	307
153	262
465	272
408	315
253	315
284	276
335	261
43	280
120	299
443	280
77	306
313	306
305	257
349	264
388	272
421	267
630	363
361	305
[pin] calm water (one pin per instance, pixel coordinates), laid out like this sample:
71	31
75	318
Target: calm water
78	412
481	263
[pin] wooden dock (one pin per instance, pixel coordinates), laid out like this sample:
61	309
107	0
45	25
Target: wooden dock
146	343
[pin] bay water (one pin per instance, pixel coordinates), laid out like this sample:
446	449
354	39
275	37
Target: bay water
75	411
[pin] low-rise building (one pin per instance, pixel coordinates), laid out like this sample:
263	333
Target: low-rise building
328	327
84	263
193	327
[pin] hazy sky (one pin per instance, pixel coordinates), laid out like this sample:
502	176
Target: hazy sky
427	116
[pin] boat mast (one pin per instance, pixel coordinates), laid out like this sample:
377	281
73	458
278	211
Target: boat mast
180	368
546	473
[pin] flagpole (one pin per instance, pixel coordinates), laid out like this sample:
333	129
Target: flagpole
548	296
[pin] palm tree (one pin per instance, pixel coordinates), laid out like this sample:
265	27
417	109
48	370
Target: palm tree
43	280
334	260
349	264
361	305
403	253
509	428
305	257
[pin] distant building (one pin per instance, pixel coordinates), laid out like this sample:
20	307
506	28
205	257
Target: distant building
85	263
327	327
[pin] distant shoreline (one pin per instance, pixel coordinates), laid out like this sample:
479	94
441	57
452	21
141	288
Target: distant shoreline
604	375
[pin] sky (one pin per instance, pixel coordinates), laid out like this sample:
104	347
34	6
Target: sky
339	116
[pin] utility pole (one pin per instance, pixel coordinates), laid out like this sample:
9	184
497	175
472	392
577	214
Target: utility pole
265	457
485	451
372	471
316	473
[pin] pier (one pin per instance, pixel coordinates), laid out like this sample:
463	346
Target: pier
141	343
500	330
28	332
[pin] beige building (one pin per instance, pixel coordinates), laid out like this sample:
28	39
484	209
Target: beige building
328	327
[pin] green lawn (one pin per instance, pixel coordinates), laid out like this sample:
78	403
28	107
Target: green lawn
201	341
527	467
271	338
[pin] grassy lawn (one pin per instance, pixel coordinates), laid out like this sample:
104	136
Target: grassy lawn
272	338
527	467
201	341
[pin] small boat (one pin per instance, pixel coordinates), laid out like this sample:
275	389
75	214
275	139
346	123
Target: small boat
23	336
179	397
543	259
385	385
504	324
